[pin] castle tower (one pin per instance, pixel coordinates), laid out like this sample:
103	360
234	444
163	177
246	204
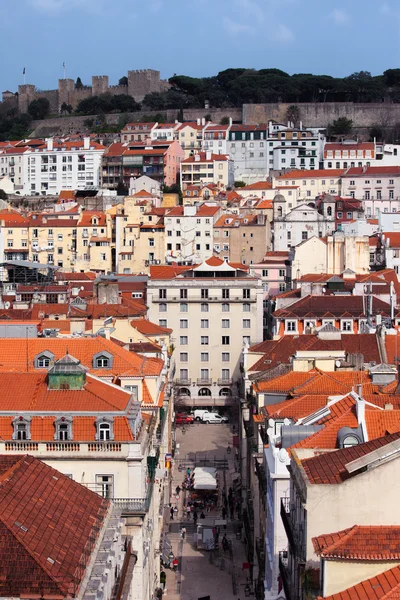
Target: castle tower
143	82
26	93
65	92
279	206
99	84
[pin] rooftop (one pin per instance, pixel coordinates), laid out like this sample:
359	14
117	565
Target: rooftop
360	542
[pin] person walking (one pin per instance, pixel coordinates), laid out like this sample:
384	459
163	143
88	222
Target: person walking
224	513
183	532
163	580
195	518
188	511
171	512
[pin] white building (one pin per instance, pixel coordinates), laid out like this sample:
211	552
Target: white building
348	154
248	148
301	223
294	148
56	165
206	167
189	233
213	309
215	138
377	187
308	185
165	132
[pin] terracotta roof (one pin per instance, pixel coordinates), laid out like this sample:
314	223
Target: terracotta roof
346	146
142	194
334	306
372	171
46	523
384	586
203	158
298	383
146	327
318	173
360	542
125	363
329	467
66	195
258	185
296	408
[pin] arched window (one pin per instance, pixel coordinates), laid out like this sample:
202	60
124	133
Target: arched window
21	431
43	360
22	428
204	392
63	427
184	392
279	211
225	392
350	440
329	211
104	432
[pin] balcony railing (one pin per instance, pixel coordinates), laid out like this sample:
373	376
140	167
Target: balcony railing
132	505
227	381
211	299
183	381
285	573
204	381
287	521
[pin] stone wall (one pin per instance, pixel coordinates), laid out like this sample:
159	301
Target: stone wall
52	97
322	113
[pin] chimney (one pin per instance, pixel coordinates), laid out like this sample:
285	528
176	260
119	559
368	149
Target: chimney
208	155
360	406
198	121
203	121
49	143
86	143
388	406
230	121
301	125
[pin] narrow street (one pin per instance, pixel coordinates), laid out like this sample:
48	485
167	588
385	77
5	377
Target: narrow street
203	573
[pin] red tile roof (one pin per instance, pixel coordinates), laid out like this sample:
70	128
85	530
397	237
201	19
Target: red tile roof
202	158
258	185
329	467
360	542
345	146
146	327
385	586
331	306
318	173
372	171
46	523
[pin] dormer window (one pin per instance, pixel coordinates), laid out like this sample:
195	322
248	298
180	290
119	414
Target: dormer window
102	360
43	360
105	429
22	428
94	221
63	427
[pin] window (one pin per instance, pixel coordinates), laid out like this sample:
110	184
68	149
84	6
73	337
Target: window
246	323
151	242
183	294
246	307
162	322
391	194
304	235
162	293
225	323
225	340
367	195
339	215
225	294
183	340
204	307
281	272
183	323
204	340
105	485
102	362
282	287
204	356
225	307
183	356
246	293
204	293
291	325
64	429
265	272
347	325
104	432
43	362
204	323
162	307
183	307
204	374
225	374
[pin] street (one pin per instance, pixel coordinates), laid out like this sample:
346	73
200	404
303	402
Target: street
203	573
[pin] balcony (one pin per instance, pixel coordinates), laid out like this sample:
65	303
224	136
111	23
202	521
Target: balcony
225	382
185	382
211	299
260	551
285	573
205	381
287	521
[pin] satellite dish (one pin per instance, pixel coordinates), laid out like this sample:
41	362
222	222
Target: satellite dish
337	363
282	455
7	304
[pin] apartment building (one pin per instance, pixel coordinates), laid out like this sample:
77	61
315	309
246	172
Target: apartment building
312	184
165	132
206	167
248	148
377	187
215	138
213	309
189	233
137	132
348	154
294	148
12	165
242	239
191	136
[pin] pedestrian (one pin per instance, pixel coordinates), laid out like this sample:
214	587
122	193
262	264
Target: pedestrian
230	493
195	517
232	511
226	502
224	513
171	512
202	515
177	490
163	580
183	532
175	564
188	471
188	511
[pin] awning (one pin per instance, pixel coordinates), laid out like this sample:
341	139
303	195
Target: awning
205	478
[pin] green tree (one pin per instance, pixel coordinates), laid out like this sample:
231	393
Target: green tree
224	121
376	132
239	184
123	81
341	126
78	84
66	108
154	101
39	109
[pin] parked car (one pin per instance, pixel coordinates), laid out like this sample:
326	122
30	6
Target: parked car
199	413
183	419
214	418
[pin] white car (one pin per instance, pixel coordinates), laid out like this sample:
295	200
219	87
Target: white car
214	418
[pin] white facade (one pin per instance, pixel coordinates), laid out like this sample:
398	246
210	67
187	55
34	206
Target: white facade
190	236
215	138
61	166
379	190
206	168
302	223
13	168
387	155
165	132
248	148
213	309
294	148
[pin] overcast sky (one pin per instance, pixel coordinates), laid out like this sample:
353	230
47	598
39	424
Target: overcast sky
193	37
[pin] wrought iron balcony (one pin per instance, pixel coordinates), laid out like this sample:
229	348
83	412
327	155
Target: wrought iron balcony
227	381
183	381
204	381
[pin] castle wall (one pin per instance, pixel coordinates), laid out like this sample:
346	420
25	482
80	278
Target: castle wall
320	114
52	97
99	84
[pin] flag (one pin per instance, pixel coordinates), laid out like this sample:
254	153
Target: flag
23	72
63	65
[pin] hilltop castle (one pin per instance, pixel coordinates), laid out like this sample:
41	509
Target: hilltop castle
140	83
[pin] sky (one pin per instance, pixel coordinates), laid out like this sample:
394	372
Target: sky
193	37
